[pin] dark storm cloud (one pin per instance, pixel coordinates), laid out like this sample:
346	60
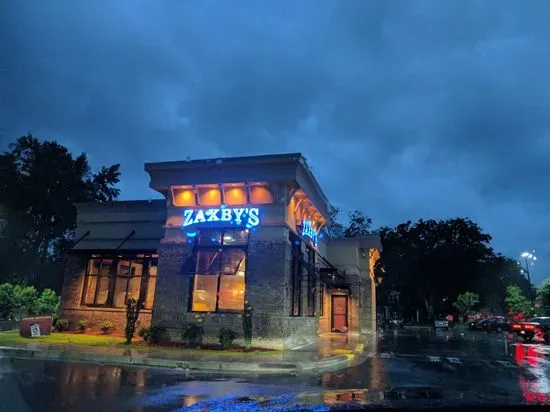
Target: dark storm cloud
405	109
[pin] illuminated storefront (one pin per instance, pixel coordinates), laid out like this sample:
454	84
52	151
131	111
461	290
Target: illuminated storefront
229	231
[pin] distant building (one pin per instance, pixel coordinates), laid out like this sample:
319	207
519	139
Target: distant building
228	231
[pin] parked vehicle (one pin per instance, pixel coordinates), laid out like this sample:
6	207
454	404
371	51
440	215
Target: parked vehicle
475	324
495	324
534	327
441	324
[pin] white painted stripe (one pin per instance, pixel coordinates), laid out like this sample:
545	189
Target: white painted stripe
386	355
454	360
434	358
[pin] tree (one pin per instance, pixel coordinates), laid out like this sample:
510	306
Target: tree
39	183
543	298
359	224
430	262
516	302
334	229
465	303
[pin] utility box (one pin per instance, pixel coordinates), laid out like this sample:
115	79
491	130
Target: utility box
35	326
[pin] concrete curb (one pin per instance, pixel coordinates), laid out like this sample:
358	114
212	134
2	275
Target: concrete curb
329	364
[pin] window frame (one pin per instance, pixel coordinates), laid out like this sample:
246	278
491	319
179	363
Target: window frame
147	259
222	248
296	275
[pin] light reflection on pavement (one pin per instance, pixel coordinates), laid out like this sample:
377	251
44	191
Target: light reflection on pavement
411	367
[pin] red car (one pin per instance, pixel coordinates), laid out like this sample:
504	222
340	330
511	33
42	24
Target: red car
538	326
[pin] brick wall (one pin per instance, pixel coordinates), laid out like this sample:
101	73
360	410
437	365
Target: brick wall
267	290
71	297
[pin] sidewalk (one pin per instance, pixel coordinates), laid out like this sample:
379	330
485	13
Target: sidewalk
328	353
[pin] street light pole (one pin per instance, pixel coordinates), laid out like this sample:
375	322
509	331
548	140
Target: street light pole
527	256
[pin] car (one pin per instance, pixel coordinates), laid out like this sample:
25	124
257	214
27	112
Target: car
495	324
441	324
475	324
535	327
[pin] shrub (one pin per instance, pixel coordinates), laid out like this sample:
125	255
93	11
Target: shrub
82	325
157	334
8	302
27	299
133	308
61	325
48	303
227	336
247	325
106	326
144	333
192	334
152	334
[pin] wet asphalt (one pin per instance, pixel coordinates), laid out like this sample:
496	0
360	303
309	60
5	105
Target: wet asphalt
412	367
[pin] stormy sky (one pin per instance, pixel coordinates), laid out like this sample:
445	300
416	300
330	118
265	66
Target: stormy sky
404	109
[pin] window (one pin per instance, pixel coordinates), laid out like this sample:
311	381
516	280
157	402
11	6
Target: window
310	282
296	276
111	281
219	279
321	299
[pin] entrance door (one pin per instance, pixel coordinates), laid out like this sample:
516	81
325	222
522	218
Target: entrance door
339	313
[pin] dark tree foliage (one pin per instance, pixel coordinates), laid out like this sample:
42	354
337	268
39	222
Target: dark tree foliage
431	262
39	183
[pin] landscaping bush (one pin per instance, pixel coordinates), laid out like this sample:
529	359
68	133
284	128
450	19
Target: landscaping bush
48	303
61	325
106	326
247	325
144	333
27	299
192	334
227	336
82	325
157	334
152	334
8	302
18	301
133	308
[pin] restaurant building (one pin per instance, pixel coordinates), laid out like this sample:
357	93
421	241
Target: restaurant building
228	231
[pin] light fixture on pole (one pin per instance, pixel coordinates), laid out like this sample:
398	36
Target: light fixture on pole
529	258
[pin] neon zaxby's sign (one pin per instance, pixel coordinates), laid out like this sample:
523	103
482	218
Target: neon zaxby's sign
247	216
308	231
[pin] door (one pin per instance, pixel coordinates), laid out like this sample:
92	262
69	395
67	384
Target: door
339	313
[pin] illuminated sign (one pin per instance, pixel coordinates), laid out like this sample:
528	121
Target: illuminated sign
249	217
308	231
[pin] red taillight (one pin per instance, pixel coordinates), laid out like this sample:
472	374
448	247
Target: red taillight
530	327
516	326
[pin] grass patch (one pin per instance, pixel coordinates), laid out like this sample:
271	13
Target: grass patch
12	338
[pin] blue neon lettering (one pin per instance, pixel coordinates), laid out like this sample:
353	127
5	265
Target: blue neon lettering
188	214
199	217
212	215
308	231
226	215
250	217
253	216
238	213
